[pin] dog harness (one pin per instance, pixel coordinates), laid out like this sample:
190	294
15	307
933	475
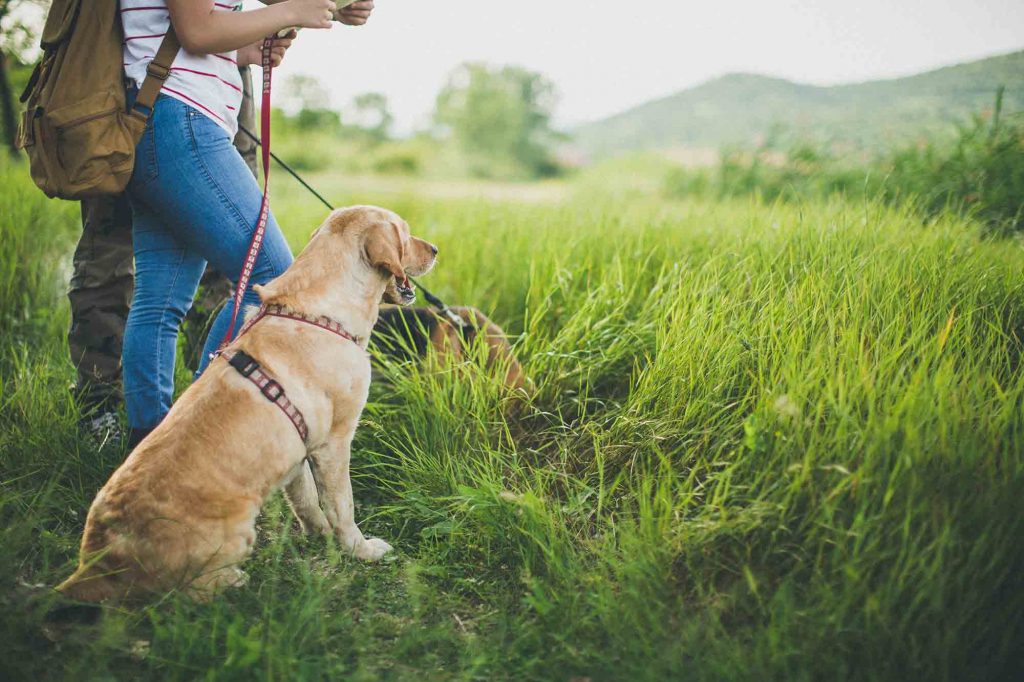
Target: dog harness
271	390
250	368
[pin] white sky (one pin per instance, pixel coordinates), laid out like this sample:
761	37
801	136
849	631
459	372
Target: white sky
607	56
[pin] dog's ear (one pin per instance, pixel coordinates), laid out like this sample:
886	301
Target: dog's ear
384	249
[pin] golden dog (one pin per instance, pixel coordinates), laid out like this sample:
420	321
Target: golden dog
181	511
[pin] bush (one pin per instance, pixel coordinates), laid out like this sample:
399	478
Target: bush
804	172
398	159
981	172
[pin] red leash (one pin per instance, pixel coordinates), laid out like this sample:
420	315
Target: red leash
261	223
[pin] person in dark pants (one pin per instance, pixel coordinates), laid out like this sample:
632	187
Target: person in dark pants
102	280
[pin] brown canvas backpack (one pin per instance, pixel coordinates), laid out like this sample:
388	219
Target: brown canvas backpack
76	129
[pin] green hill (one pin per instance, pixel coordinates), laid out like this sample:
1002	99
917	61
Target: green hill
741	109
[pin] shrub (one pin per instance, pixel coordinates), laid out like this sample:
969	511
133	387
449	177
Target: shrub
981	172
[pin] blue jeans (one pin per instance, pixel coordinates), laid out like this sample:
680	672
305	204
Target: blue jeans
193	201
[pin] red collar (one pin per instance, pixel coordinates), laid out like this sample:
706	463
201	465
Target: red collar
323	322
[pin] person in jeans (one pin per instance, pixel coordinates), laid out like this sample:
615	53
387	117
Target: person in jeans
193	199
102	282
103	277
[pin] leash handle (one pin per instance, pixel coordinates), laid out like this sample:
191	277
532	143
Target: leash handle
261	224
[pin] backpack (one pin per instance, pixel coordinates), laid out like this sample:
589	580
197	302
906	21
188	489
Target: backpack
78	133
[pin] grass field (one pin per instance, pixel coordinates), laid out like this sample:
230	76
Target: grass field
768	442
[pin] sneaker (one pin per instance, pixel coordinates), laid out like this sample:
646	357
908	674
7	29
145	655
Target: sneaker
102	428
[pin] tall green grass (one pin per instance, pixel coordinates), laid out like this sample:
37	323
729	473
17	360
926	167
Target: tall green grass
769	441
37	236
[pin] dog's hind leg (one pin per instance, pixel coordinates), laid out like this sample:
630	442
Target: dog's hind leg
300	492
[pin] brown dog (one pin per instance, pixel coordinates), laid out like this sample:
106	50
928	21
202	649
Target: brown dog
407	333
180	512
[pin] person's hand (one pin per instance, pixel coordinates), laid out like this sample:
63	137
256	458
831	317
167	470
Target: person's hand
356	14
253	54
312	13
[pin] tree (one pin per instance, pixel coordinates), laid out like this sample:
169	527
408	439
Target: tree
308	104
20	22
500	117
369	113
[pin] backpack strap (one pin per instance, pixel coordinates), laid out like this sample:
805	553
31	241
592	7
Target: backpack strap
156	73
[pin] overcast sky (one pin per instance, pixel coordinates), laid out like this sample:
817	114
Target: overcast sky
606	56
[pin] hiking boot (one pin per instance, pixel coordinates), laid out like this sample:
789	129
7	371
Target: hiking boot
102	427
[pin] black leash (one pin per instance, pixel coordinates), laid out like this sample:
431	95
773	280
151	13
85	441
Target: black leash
288	168
433	300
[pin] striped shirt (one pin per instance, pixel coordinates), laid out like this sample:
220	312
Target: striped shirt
210	83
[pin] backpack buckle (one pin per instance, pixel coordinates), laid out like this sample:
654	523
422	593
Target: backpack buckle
157	71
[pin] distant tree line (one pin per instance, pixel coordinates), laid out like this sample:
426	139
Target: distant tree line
497	117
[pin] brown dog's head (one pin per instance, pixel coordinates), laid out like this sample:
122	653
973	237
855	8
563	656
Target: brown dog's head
396	255
370	248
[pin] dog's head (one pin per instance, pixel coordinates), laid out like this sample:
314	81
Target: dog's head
369	247
395	254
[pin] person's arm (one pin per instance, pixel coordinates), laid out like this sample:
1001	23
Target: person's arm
201	30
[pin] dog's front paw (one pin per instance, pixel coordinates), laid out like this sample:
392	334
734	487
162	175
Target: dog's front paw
372	550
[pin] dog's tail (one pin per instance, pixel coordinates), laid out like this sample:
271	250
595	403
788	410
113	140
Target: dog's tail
85	586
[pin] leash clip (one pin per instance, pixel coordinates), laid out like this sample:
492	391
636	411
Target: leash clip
454	317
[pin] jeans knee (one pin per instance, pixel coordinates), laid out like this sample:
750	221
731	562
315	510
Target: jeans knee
177	310
162	315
